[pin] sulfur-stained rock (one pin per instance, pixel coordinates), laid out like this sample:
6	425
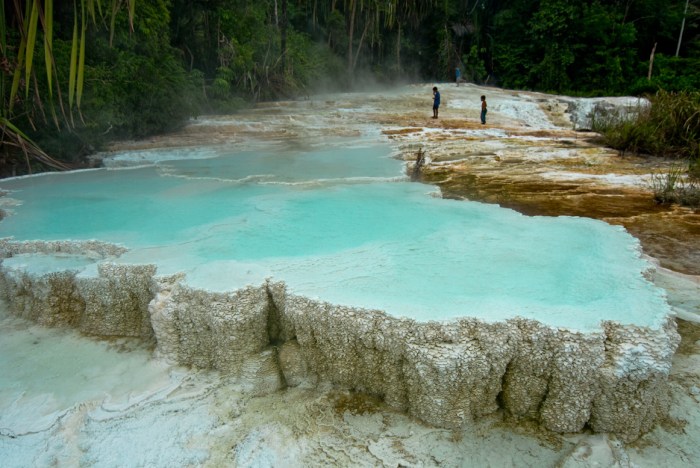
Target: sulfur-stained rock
572	385
260	373
527	376
50	299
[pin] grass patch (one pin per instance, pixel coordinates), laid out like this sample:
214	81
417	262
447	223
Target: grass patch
668	126
676	186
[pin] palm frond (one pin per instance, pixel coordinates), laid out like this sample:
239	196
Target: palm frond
132	9
3	49
81	60
48	43
31	41
73	67
12	136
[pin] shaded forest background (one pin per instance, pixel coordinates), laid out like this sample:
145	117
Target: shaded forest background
175	59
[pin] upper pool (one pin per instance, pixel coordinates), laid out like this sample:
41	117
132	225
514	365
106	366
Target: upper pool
341	224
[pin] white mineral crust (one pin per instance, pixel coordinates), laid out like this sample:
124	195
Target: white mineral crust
445	373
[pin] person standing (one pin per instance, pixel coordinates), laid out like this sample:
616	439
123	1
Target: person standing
483	110
436	102
458	75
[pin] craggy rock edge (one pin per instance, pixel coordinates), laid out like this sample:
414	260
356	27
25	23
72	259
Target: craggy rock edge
444	373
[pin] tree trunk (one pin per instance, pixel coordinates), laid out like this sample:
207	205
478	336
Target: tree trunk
351	29
680	36
651	61
283	35
359	46
398	51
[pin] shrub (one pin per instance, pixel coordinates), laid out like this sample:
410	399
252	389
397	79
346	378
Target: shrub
668	127
675	186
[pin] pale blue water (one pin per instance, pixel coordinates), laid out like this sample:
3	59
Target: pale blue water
339	225
292	167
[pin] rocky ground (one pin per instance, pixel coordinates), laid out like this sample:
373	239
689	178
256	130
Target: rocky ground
534	156
528	156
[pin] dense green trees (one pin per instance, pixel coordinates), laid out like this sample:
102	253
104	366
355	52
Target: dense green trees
100	78
592	46
187	56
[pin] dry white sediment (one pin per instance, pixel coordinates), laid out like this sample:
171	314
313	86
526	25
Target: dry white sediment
444	373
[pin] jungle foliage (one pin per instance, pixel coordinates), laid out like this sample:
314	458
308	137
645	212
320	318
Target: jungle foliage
77	73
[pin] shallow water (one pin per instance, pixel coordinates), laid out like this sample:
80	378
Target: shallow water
339	224
360	235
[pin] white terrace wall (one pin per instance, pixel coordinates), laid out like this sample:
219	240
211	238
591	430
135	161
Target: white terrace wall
444	373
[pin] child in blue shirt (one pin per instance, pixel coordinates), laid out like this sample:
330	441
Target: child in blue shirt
436	102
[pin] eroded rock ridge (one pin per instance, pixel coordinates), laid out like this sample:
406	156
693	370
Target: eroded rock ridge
444	373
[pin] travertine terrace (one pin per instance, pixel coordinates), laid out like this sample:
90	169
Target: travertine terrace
611	378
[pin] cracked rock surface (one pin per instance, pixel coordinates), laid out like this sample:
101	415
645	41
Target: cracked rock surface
444	373
449	373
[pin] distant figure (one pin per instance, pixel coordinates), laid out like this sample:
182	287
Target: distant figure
436	102
458	75
483	110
